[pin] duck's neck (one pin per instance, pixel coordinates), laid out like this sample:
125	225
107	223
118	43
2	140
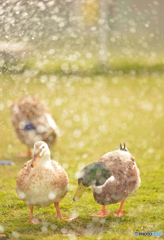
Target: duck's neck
45	160
94	174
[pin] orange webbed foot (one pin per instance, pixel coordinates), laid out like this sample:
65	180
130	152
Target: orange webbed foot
119	212
103	213
59	216
33	220
28	154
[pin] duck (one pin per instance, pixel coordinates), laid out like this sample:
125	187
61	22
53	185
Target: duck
42	181
33	122
113	178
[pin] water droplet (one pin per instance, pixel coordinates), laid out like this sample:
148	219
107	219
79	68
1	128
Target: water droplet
64	230
77	133
2	229
53	227
15	234
81	165
44	229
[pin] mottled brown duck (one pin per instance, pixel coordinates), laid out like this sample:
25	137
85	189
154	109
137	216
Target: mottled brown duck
33	122
42	181
113	178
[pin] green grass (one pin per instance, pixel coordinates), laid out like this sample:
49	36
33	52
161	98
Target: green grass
116	64
85	59
94	115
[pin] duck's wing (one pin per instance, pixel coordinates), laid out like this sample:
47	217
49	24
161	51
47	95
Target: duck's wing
118	160
33	122
124	181
122	165
22	183
61	176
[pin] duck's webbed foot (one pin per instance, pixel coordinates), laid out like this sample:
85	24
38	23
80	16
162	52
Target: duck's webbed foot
119	212
28	154
33	220
103	213
59	215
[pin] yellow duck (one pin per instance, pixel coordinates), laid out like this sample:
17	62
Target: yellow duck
42	181
113	178
32	122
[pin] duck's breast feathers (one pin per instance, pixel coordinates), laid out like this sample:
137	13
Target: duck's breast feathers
42	185
61	174
52	175
33	122
23	176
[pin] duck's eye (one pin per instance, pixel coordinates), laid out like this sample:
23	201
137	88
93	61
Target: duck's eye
43	147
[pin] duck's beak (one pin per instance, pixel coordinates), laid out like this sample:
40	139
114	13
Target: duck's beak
35	160
79	192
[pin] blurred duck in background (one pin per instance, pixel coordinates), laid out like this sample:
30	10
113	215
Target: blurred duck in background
33	122
113	178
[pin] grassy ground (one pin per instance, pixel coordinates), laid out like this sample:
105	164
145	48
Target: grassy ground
94	115
73	64
67	57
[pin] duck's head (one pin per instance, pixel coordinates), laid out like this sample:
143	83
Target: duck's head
41	153
93	174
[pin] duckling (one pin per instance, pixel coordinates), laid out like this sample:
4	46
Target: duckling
113	178
32	122
42	181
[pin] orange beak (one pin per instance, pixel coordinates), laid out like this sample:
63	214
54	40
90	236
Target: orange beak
34	162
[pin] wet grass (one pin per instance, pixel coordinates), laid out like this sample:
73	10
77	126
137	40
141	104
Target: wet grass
94	115
73	64
86	62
